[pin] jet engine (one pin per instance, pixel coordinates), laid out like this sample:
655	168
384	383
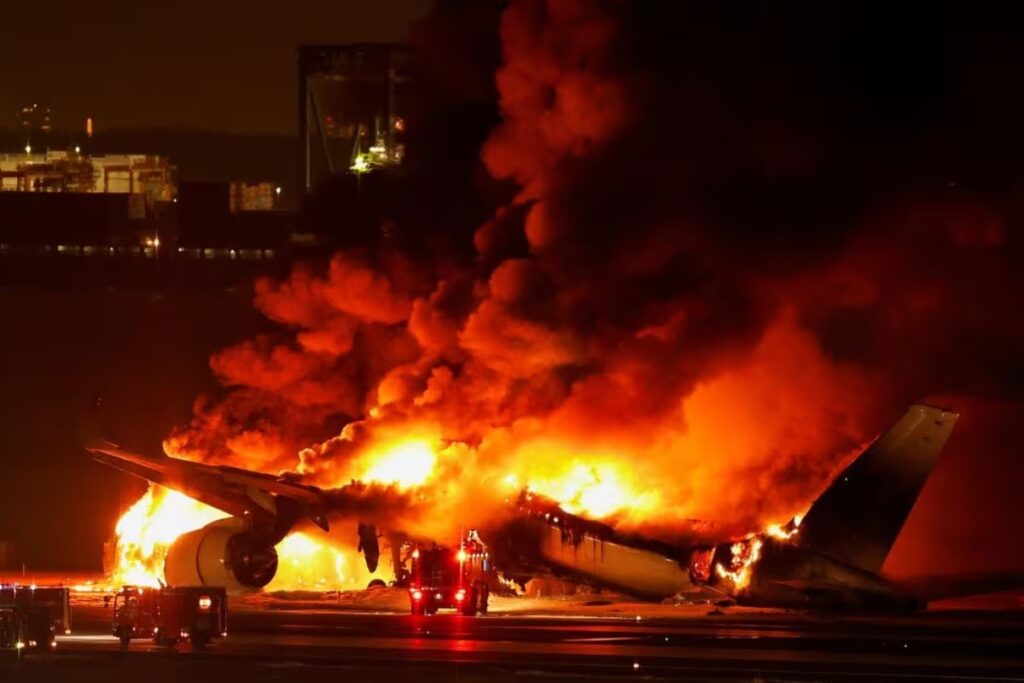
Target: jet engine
224	554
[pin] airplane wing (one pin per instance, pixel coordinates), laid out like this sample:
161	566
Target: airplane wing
238	492
922	589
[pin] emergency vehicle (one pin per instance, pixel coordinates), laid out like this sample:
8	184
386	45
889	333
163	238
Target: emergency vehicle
168	615
443	578
31	616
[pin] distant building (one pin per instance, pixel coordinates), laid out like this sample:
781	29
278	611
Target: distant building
79	204
351	101
233	220
153	177
125	215
244	196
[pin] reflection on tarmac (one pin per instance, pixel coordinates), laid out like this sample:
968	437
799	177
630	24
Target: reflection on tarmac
263	643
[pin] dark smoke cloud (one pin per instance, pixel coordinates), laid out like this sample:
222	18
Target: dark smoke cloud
742	240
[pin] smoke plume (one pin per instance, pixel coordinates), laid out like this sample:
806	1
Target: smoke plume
710	287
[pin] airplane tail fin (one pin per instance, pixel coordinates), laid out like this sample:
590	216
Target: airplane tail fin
858	517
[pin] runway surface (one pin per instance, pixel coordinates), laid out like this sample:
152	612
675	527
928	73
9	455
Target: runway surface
325	644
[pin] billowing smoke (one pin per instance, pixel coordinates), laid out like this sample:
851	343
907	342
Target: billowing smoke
714	283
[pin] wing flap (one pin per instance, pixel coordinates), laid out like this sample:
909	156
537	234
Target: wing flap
942	587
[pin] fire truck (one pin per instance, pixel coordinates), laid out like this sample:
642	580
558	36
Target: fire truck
30	616
443	578
167	615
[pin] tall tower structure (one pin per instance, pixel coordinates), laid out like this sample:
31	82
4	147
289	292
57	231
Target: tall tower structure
34	121
351	100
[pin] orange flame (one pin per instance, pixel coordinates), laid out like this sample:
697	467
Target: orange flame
405	464
599	487
784	533
310	562
593	490
745	555
146	531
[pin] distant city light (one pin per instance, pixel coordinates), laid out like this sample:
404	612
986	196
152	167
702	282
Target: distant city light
28	149
360	164
78	150
277	190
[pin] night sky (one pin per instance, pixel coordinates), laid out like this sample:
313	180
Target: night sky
220	65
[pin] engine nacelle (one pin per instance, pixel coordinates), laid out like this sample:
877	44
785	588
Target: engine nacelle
221	554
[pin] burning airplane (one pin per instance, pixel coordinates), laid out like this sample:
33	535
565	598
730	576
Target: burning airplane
829	558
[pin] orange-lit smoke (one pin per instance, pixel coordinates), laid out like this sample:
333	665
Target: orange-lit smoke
615	345
561	369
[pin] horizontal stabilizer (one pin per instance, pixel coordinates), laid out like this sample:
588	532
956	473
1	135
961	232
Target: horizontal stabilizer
942	587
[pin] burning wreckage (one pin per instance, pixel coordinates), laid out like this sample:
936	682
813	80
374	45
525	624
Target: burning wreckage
830	558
